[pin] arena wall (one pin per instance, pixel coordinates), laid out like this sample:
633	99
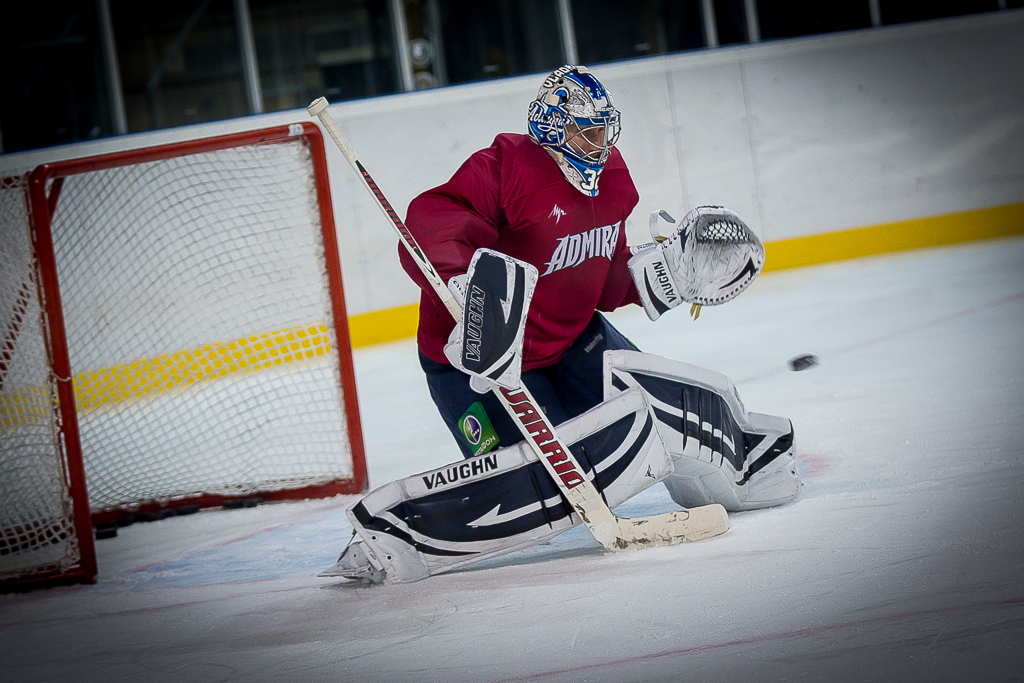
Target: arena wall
831	147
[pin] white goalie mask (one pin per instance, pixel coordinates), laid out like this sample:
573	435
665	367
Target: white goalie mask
575	118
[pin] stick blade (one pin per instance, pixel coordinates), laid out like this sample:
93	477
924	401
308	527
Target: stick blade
695	524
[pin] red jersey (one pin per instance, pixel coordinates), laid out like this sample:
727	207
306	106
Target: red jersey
512	198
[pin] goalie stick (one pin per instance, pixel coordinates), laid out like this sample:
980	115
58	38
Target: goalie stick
612	532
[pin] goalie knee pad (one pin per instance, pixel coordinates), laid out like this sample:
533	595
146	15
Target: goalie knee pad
720	452
503	500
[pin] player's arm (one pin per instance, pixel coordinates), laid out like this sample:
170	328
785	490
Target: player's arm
710	258
618	289
452	221
454	224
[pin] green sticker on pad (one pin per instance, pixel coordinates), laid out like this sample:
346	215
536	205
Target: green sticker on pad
477	429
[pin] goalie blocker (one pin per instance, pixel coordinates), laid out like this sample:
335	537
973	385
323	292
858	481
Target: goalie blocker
487	343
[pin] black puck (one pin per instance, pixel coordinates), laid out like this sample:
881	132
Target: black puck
155	515
236	503
807	360
107	530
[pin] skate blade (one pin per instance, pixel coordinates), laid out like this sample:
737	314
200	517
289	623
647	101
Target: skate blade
373	575
336	570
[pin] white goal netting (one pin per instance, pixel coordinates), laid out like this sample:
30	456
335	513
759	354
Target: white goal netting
36	516
197	300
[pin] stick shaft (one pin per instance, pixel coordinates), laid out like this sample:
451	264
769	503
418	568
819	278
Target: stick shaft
319	109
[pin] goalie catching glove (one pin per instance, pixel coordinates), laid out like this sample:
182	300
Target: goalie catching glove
487	343
710	258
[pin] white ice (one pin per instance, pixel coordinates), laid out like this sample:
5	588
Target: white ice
901	559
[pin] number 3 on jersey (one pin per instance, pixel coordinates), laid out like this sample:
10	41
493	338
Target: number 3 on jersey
589	179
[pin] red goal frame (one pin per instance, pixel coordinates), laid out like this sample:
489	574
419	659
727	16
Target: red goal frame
44	187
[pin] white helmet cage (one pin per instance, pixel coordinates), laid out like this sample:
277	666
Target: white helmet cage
574	115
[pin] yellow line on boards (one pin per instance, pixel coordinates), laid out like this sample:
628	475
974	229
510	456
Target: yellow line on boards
27	405
148	377
154	376
392	324
378	327
917	233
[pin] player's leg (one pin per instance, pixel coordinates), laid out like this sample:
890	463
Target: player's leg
578	376
720	452
478	422
499	501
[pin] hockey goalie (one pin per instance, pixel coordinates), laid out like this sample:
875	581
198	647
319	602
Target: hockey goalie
559	417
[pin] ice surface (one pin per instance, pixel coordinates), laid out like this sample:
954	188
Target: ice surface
901	560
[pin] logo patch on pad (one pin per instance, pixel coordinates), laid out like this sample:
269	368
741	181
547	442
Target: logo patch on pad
477	429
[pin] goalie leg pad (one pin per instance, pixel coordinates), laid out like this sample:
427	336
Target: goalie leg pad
720	452
505	500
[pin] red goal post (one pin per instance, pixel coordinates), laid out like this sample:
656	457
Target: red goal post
187	315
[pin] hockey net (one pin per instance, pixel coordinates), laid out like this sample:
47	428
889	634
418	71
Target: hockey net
40	523
201	301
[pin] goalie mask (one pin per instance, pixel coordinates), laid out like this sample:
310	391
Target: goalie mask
574	117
